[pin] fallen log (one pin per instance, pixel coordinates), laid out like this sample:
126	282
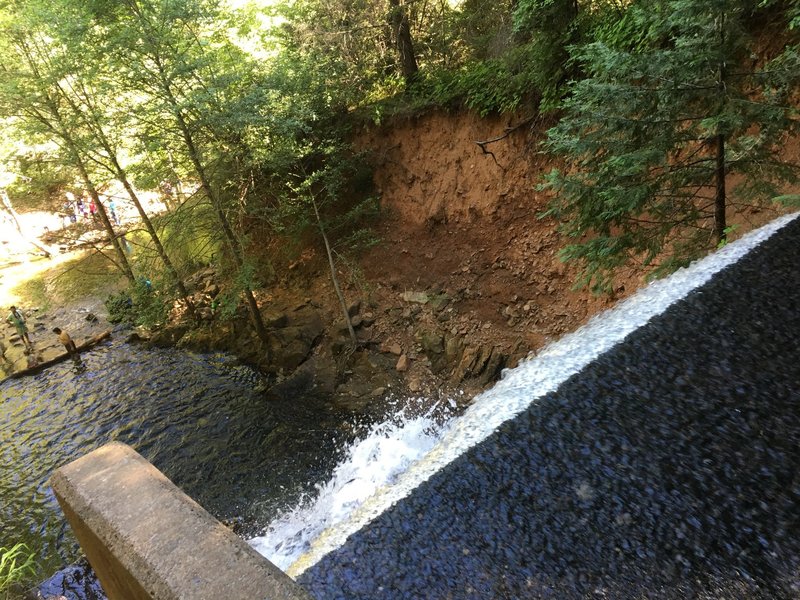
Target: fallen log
90	343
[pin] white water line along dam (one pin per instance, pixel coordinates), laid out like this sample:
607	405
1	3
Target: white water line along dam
651	454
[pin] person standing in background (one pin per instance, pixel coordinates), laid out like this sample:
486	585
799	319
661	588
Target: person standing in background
16	318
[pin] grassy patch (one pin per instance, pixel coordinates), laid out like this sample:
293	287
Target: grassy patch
61	280
17	565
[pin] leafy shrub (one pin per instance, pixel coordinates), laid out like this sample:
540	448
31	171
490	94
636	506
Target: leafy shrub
144	303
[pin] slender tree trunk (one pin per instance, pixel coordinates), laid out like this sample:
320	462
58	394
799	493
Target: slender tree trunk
227	232
151	230
720	200
58	127
123	264
93	122
336	286
398	18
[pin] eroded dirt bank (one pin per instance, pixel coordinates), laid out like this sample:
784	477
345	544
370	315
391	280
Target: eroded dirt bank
465	282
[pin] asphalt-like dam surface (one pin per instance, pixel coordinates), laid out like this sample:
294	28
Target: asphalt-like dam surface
667	468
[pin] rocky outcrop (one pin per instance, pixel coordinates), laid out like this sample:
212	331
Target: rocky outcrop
417	341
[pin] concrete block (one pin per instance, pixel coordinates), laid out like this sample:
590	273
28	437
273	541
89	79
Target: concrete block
146	539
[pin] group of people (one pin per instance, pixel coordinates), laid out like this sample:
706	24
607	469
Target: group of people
17	319
86	208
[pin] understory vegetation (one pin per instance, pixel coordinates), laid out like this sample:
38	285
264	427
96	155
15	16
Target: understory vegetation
240	121
17	565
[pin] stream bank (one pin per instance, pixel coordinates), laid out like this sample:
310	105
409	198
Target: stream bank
465	281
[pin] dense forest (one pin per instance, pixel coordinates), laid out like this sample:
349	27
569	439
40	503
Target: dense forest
241	117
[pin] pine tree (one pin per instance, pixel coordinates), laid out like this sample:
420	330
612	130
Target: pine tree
658	128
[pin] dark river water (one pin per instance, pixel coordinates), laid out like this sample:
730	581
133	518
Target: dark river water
201	419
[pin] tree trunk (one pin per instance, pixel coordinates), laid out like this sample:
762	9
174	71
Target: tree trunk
151	230
230	238
398	19
720	200
116	169
335	279
123	264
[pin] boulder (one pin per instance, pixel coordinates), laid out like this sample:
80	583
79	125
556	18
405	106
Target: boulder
480	363
390	347
418	297
439	301
290	346
209	338
275	320
402	364
354	308
168	336
315	377
453	347
493	368
432	342
472	363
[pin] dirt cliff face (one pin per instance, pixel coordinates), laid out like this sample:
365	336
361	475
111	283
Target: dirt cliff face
431	170
466	279
461	221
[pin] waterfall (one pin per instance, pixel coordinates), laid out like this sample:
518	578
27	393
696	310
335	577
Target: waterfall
363	486
373	462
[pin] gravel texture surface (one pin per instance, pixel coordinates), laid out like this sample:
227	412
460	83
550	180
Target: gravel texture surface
668	468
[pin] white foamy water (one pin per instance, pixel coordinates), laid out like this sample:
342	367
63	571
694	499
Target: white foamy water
373	462
344	509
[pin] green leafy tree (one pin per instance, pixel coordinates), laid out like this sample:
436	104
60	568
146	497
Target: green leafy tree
31	91
178	58
658	128
89	95
315	196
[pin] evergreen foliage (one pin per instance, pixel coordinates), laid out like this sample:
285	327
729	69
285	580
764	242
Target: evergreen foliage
657	128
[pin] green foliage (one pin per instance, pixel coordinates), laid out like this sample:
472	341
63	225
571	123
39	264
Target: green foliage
17	565
145	303
486	28
230	299
493	86
189	235
792	200
641	136
39	177
252	114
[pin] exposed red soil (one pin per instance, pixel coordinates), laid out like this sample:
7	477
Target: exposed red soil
458	221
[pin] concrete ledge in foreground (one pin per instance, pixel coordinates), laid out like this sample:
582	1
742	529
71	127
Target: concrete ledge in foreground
147	539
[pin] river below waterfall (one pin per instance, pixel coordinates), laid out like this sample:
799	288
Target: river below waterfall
200	419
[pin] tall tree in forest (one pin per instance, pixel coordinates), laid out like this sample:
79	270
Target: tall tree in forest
369	48
548	28
89	100
401	33
87	103
32	72
173	53
653	135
